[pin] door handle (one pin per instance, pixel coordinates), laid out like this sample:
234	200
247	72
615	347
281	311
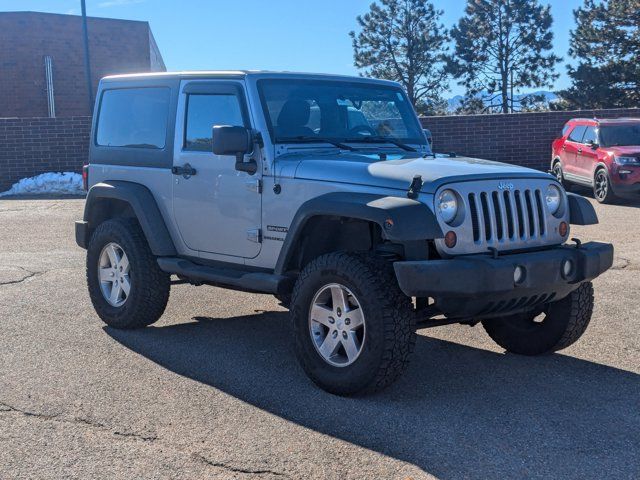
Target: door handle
579	150
186	171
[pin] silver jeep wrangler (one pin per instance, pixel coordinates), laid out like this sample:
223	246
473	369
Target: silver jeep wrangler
323	191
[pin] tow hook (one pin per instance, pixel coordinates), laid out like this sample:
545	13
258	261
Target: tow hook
578	242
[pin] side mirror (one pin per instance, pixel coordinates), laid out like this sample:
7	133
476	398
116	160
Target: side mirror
594	145
238	141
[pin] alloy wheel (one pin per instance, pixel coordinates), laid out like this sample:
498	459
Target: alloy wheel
113	274
602	185
337	325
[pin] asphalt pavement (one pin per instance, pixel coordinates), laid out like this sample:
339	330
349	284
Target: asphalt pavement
213	389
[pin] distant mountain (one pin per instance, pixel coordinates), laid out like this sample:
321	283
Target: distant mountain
454	102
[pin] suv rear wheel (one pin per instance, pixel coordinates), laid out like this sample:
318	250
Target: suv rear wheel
126	286
354	329
560	325
558	173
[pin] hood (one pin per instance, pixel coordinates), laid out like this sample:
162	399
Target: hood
625	151
398	171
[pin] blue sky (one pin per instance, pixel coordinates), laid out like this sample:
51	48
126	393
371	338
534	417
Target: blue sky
295	35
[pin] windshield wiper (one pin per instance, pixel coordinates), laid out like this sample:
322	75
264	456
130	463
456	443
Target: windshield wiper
307	139
392	141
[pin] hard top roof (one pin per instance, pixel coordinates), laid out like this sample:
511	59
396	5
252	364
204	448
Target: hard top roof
241	74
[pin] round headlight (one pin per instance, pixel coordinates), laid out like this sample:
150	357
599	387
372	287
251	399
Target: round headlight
448	205
553	197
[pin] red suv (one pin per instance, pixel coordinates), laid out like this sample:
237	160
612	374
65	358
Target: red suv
602	154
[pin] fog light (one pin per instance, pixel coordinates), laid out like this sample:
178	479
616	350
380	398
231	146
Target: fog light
450	239
563	229
567	268
518	275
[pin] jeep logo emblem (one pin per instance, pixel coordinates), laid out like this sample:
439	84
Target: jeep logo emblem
505	186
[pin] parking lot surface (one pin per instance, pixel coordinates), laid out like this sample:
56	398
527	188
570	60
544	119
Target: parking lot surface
213	390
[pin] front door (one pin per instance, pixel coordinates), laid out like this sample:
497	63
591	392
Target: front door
217	209
588	157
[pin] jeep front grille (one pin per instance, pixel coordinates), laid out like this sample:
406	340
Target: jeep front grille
505	219
511	215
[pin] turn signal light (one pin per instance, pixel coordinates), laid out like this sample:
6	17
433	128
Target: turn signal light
563	229
450	239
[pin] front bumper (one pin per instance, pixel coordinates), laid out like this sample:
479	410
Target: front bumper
480	285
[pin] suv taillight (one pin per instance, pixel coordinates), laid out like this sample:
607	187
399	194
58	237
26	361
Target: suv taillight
85	177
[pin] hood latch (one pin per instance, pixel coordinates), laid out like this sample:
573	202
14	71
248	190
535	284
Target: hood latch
415	187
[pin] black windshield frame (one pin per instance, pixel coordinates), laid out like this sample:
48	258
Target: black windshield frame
408	116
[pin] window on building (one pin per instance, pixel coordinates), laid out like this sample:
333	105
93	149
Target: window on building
133	117
577	133
205	111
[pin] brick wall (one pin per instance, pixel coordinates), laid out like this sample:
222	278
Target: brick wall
520	138
116	46
30	146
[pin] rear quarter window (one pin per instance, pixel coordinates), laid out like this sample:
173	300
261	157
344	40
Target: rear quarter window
565	130
133	117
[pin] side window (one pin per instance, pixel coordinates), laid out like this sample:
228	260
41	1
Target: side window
133	117
203	112
577	133
590	135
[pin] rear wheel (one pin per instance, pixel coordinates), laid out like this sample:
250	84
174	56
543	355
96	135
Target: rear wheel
354	329
126	286
560	325
602	190
559	174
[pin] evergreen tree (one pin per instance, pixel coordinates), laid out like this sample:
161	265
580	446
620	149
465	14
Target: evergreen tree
606	43
403	40
501	47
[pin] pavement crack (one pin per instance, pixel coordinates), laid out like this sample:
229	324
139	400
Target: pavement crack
144	438
233	469
29	274
622	263
4	407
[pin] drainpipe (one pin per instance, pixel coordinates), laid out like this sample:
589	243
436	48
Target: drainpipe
87	63
48	74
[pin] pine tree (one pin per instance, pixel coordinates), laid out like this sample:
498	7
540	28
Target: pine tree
606	43
501	47
403	40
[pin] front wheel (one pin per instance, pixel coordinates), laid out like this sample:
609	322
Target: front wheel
354	329
602	190
560	325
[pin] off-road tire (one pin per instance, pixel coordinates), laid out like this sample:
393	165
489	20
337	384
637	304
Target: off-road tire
150	286
564	323
389	322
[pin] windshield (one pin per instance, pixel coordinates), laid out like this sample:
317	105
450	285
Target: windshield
620	135
334	111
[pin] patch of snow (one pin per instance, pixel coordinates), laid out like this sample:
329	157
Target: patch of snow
60	183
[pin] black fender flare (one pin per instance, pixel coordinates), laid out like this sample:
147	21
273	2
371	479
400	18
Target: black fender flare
401	220
144	207
581	212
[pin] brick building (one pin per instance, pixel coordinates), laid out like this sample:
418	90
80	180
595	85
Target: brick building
37	46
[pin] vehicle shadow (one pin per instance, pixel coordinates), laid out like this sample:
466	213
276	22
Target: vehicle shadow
629	201
458	412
